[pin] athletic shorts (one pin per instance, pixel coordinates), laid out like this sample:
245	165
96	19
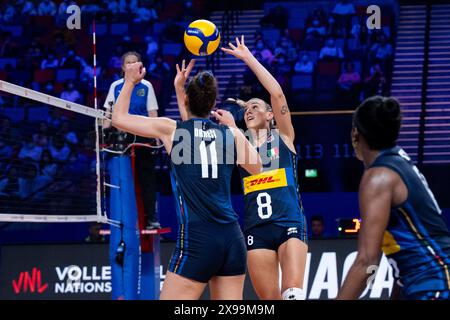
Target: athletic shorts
271	236
429	295
208	249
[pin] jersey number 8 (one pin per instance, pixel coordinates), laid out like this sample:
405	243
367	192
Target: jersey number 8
264	202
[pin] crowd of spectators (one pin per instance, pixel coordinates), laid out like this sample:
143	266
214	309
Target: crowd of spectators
41	157
44	164
334	47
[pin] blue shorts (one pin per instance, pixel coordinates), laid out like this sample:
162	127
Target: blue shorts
208	249
271	236
429	295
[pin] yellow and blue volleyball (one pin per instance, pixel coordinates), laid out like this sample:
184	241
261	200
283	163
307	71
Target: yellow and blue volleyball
202	37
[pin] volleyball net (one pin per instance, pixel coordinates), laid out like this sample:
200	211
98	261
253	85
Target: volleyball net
51	167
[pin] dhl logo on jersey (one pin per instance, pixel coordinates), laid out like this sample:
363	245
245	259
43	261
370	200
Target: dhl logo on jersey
266	180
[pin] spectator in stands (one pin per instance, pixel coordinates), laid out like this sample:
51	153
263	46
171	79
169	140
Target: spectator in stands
10	152
282	69
41	138
344	8
49	62
160	68
316	30
9	185
359	31
343	12
49	88
266	55
188	11
375	83
9	134
332	30
318	13
76	164
59	149
28	184
47	167
30	150
348	85
70	93
29	9
277	17
128	6
87	152
33	56
7	13
71	60
116	61
47	8
145	13
152	46
113	6
304	64
126	44
331	51
69	135
54	119
318	227
62	8
285	47
6	45
59	46
381	51
5	150
286	36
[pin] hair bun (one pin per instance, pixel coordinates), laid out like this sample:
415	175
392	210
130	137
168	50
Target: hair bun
389	110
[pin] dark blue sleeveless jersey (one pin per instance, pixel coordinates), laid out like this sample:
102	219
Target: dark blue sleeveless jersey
417	240
202	161
274	195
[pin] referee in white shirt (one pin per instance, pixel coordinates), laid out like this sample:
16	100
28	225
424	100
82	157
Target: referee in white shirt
143	102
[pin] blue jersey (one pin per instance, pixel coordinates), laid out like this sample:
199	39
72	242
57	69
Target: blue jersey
142	100
416	241
274	195
202	160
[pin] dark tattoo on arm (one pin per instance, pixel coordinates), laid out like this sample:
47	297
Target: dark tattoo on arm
284	109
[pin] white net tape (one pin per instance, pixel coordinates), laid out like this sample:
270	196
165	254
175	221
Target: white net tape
60	199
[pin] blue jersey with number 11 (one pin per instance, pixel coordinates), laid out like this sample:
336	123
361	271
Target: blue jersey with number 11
202	160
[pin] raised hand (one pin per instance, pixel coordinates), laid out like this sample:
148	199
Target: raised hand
183	73
240	51
224	117
134	72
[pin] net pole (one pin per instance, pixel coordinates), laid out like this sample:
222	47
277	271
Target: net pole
97	133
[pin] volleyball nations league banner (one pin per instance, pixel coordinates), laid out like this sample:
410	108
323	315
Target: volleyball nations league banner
83	271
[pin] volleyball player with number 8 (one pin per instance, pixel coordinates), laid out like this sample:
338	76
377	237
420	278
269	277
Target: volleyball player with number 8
275	229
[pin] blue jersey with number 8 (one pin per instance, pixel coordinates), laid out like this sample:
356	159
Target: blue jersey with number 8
273	196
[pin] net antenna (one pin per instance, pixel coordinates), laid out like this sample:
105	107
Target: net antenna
98	115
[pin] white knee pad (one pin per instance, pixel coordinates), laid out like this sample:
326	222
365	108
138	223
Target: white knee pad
293	294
